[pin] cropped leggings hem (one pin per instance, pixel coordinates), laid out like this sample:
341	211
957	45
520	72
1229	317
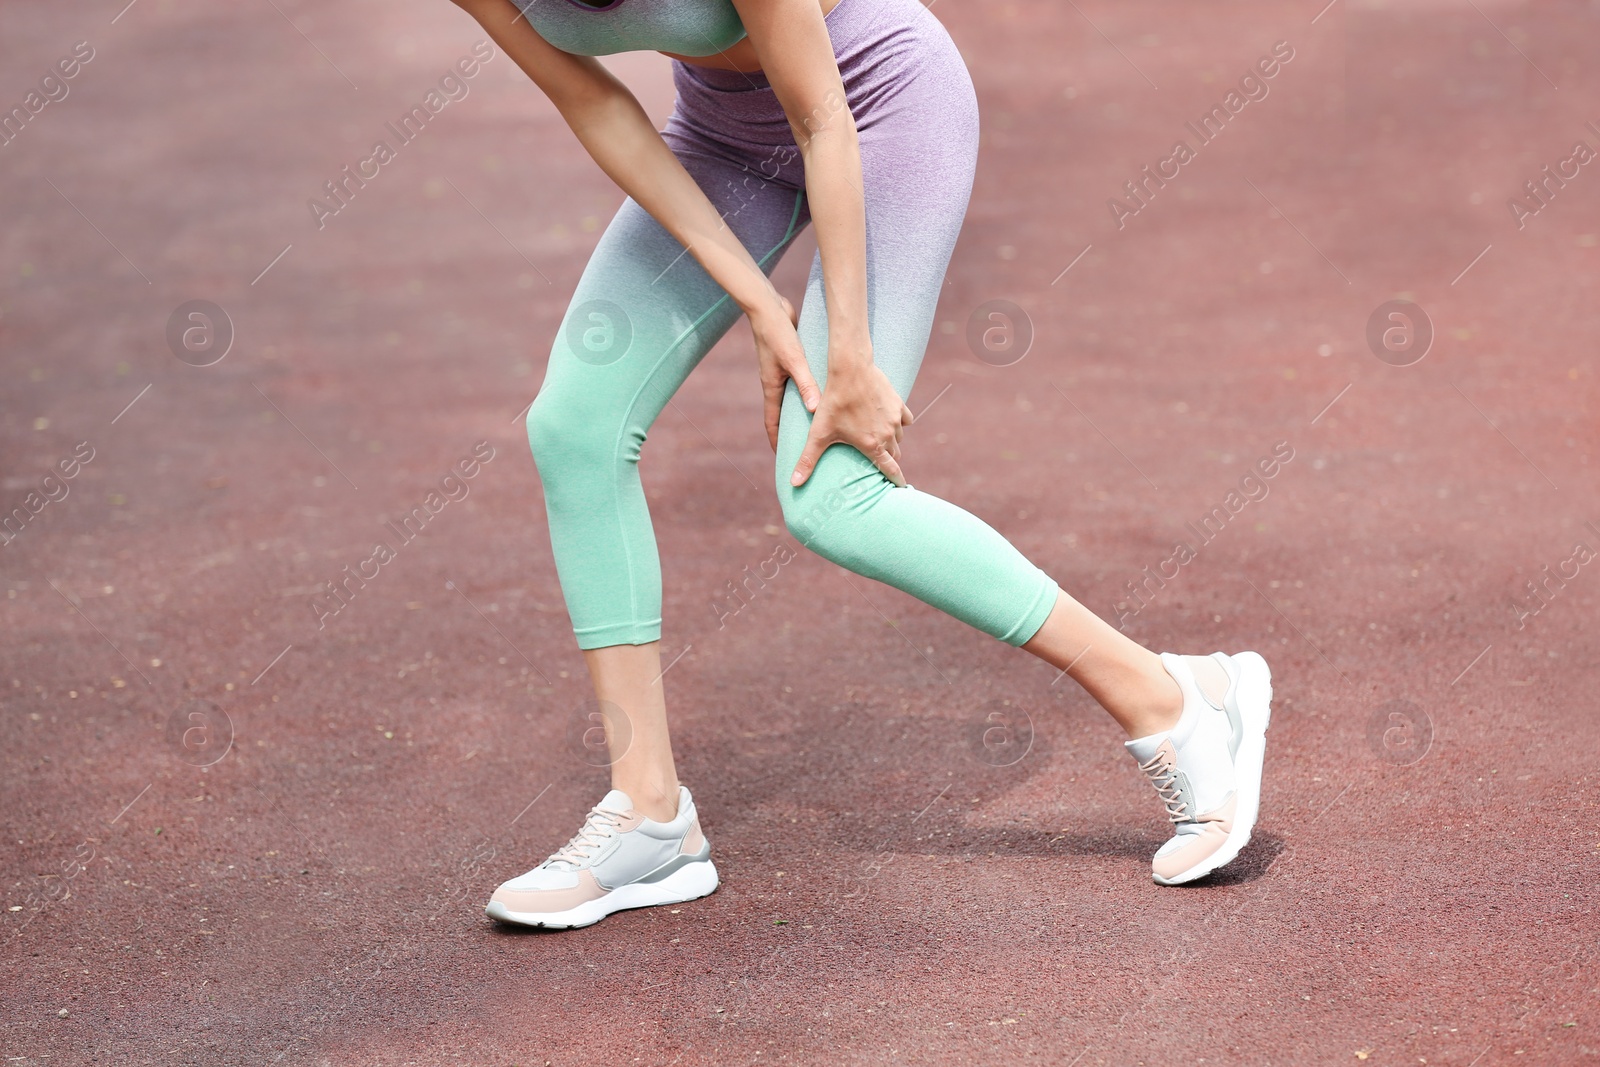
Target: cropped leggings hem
1036	614
647	630
619	633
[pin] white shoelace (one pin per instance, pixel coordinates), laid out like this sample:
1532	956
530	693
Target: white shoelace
1164	776
597	829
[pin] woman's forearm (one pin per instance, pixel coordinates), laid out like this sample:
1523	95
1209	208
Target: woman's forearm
619	136
832	152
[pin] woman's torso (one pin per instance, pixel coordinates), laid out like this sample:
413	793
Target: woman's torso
706	33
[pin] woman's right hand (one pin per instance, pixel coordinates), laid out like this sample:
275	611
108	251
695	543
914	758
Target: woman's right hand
781	358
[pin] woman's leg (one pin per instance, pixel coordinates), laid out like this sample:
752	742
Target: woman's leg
642	317
1125	677
919	149
628	677
1197	725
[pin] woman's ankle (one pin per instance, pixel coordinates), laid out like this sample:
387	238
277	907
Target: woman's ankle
1155	706
657	801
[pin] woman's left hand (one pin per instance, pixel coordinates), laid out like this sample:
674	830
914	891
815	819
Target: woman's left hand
781	358
859	408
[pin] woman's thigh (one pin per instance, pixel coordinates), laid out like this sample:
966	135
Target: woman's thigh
642	317
919	146
645	312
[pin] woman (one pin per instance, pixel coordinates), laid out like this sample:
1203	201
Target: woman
858	116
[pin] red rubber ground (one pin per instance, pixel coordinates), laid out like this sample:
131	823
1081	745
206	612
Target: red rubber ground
895	890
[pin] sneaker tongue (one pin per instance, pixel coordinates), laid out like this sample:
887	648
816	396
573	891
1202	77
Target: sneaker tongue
616	800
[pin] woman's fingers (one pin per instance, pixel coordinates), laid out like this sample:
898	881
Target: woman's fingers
772	404
810	395
882	458
853	417
890	467
808	460
818	438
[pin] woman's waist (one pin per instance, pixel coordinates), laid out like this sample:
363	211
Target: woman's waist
873	41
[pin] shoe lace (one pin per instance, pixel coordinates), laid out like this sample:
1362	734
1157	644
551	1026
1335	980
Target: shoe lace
600	826
1163	774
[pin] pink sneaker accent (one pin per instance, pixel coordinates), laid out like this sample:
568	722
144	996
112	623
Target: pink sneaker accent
548	898
1168	867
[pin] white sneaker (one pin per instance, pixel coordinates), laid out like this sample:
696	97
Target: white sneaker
618	860
1207	768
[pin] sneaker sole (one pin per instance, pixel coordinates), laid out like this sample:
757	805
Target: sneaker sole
1253	697
689	882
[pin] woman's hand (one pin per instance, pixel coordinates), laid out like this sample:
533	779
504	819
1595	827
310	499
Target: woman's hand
781	358
859	408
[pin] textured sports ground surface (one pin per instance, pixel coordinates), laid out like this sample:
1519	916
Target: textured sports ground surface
244	823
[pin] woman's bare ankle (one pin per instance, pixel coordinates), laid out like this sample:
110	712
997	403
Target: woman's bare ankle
1157	709
654	801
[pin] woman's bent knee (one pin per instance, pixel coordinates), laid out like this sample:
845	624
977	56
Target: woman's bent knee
807	515
564	433
816	513
546	429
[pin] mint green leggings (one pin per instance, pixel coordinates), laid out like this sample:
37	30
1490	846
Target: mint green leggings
645	313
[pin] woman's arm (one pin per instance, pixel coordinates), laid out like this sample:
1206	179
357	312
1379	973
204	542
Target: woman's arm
617	133
859	407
